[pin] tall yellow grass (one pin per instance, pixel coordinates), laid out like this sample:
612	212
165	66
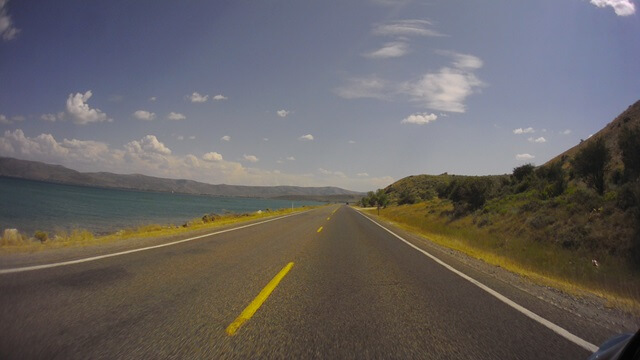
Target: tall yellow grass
16	242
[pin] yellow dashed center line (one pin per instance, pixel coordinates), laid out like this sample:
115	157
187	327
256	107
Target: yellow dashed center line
320	229
248	312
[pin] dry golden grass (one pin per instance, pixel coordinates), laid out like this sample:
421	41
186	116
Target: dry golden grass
546	264
15	242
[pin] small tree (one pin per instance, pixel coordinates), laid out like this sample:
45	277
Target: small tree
523	171
381	197
554	175
469	194
591	162
629	143
369	200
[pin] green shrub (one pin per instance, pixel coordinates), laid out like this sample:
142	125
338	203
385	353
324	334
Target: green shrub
522	172
585	200
406	197
469	193
540	221
629	143
590	164
42	236
628	196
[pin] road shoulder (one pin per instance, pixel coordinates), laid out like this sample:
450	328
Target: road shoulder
588	307
11	260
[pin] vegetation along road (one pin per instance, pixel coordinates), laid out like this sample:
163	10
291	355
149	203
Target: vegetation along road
326	283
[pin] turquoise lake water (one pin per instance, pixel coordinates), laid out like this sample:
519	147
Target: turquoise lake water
32	205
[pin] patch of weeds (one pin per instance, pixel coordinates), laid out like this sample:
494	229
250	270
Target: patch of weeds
540	221
41	236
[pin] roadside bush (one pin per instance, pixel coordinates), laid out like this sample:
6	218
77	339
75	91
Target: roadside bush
585	200
554	176
428	194
406	197
628	196
522	172
382	199
11	237
629	143
540	221
41	236
468	194
590	164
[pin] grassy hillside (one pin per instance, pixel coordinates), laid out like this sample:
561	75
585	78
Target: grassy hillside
552	220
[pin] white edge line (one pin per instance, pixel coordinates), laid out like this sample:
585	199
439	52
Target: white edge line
555	328
94	258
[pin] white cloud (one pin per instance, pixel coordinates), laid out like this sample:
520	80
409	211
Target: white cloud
390	50
566	132
406	28
363	174
283	113
307	137
197	98
212	156
175	116
621	7
226	138
522	157
220	97
365	87
251	158
153	98
149	156
144	115
147	145
265	139
80	111
14	119
463	61
44	147
539	140
192	137
291	158
351	141
419	118
447	89
192	161
7	30
180	137
331	173
49	117
519	131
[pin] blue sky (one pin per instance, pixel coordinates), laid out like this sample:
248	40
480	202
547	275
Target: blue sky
354	94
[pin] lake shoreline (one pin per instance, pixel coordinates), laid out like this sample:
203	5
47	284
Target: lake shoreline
31	206
22	243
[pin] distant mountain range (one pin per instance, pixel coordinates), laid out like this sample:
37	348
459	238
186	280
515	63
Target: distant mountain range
33	170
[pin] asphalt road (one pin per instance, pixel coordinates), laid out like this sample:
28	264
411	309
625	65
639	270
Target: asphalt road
354	291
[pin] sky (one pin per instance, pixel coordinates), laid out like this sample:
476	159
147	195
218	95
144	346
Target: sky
355	94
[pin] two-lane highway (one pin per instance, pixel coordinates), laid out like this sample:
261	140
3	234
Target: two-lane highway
351	290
